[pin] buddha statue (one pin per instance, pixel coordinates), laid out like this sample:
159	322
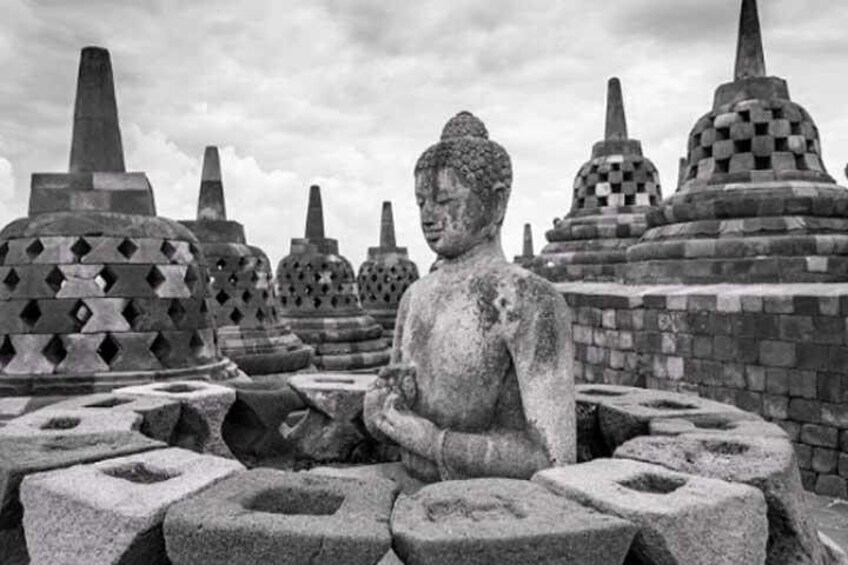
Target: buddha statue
480	383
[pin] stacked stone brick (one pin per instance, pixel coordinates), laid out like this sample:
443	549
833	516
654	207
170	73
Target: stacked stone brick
243	295
527	256
385	276
319	299
95	290
612	194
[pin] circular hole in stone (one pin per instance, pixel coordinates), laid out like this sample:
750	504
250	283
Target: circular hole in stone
726	447
61	424
653	484
334	380
109	402
715	425
178	388
139	473
668	405
489	510
291	501
601	392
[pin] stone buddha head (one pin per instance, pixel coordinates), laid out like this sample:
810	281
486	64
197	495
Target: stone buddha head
462	186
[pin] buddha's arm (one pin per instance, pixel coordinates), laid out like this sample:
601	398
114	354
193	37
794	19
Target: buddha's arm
539	342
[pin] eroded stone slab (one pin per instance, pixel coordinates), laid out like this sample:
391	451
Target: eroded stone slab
71	422
623	418
112	511
717	425
766	463
159	415
337	395
21	456
682	519
203	409
504	521
269	516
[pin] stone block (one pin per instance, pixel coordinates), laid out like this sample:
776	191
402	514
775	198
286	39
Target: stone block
821	436
22	456
682	519
834	555
203	409
268	516
629	416
718	425
70	422
831	485
824	460
317	437
394	472
159	415
112	511
483	521
765	463
337	395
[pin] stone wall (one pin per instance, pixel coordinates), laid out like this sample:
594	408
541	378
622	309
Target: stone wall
780	351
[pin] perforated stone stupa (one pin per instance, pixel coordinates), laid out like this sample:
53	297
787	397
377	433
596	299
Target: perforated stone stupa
756	203
243	295
613	192
385	275
527	256
319	300
95	290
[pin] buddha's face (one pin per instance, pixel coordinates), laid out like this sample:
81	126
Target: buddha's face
454	218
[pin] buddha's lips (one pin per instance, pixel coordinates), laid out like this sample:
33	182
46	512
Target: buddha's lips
432	234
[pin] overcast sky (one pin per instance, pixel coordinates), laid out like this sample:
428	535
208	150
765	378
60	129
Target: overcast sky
348	93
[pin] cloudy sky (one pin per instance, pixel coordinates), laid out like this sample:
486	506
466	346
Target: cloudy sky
348	93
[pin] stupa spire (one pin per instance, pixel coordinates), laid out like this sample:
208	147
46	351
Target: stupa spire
616	127
750	58
387	227
528	241
96	144
315	214
211	205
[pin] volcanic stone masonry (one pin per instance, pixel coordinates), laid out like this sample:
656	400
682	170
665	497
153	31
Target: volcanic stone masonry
756	211
613	192
319	300
244	299
385	275
95	290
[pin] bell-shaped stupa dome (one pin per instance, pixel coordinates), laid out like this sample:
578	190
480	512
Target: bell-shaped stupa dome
755	203
243	296
97	291
385	275
319	300
613	192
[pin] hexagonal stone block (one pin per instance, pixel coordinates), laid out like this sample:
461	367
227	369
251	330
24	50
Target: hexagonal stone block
70	422
504	521
338	395
590	439
623	418
716	425
203	409
394	472
682	519
268	516
112	511
24	455
766	463
159	415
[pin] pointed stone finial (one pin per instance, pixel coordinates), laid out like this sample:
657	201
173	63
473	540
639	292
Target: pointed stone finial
682	165
528	241
96	143
616	121
387	227
750	59
315	214
211	204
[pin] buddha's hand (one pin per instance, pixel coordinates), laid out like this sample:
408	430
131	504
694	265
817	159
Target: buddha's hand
407	429
401	379
372	406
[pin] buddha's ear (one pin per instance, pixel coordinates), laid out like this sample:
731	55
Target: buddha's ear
500	196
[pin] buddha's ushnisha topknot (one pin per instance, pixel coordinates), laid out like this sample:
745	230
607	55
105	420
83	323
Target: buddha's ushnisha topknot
466	148
465	124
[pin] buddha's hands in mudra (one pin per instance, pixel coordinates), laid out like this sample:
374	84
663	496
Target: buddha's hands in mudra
387	410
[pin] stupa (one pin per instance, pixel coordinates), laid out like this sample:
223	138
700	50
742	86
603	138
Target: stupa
319	300
527	256
243	295
97	291
385	275
613	192
756	203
